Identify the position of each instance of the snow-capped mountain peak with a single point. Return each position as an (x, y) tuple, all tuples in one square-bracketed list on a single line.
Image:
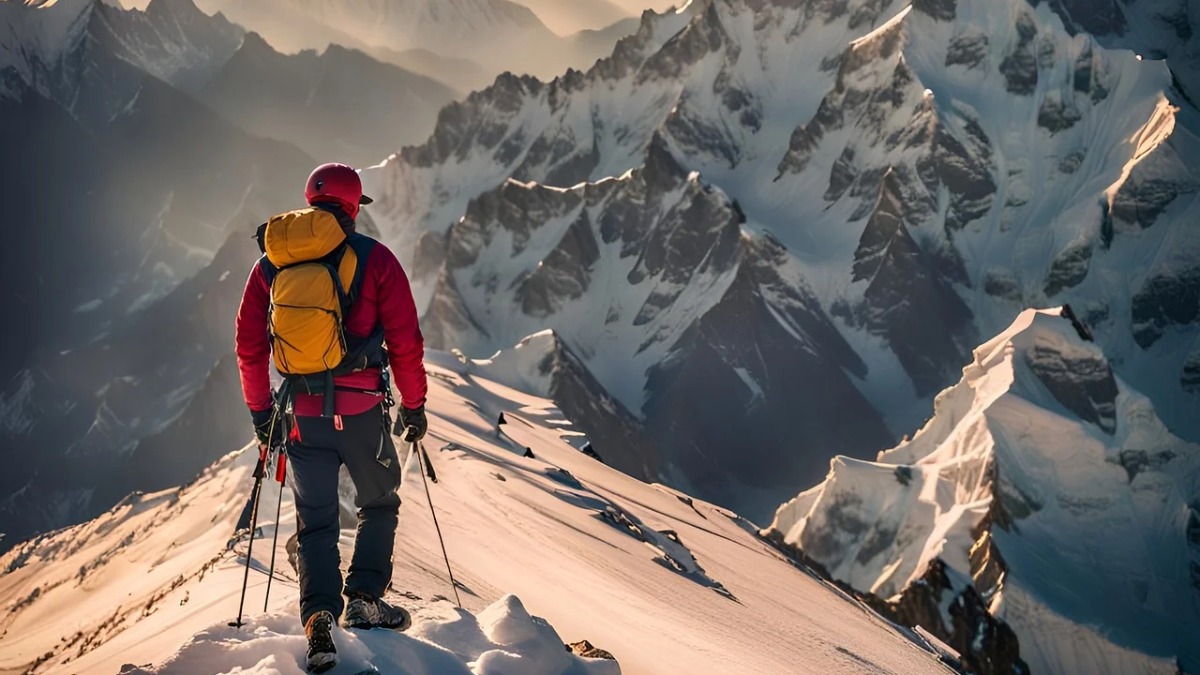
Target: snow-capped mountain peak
[(1039, 460)]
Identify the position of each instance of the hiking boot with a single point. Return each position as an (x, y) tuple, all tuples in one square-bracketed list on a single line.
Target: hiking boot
[(366, 612), (322, 655)]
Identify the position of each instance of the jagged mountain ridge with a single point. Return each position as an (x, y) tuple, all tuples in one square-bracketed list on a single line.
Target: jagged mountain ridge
[(904, 176), (1044, 518), (714, 316)]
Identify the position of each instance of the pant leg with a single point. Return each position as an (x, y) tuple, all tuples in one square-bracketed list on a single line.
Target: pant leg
[(314, 472), (370, 457)]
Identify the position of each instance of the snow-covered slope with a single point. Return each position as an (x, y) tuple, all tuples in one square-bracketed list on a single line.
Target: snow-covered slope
[(1044, 492), (928, 170), (666, 583)]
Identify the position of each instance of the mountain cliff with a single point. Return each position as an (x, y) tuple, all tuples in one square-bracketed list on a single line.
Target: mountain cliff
[(1043, 519)]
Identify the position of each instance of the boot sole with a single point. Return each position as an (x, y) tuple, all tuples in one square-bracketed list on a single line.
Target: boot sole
[(319, 663), (370, 626)]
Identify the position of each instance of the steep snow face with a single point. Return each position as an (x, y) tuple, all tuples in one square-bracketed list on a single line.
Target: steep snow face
[(665, 582), (930, 170), (1048, 490)]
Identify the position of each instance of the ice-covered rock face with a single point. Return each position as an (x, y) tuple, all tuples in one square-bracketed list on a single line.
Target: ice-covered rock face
[(1046, 492), (927, 171)]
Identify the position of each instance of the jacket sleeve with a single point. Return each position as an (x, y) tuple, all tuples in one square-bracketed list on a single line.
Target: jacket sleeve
[(253, 343), (401, 331)]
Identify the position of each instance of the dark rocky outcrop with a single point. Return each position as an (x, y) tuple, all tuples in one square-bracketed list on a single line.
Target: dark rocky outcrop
[(1000, 283), (1136, 461), (1098, 17), (1083, 385), (1189, 378), (1020, 64), (1142, 199), (589, 651), (967, 50), (1165, 300), (942, 10), (1056, 115), (1069, 268)]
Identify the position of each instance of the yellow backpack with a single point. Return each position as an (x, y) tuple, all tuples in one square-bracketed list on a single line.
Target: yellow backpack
[(313, 268)]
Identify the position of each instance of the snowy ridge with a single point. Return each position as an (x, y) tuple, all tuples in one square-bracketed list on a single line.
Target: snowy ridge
[(664, 582), (1040, 460)]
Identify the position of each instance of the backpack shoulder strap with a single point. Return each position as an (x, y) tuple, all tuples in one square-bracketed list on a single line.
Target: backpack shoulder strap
[(269, 270), (362, 246)]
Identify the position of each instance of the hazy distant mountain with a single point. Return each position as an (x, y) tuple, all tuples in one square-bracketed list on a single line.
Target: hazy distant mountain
[(636, 7), (497, 35), (461, 75), (566, 17), (339, 105)]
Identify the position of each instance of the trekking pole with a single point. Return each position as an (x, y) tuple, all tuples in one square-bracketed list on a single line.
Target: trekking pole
[(419, 450), (258, 478), (280, 475)]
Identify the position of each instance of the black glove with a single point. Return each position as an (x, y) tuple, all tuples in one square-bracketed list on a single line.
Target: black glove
[(268, 435), (411, 425)]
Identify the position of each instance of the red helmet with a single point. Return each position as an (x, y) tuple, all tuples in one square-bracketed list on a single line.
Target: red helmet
[(337, 183)]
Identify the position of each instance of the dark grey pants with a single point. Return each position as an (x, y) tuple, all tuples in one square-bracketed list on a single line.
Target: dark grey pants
[(365, 446)]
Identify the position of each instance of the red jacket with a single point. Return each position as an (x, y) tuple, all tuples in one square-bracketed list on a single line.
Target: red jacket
[(385, 299)]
